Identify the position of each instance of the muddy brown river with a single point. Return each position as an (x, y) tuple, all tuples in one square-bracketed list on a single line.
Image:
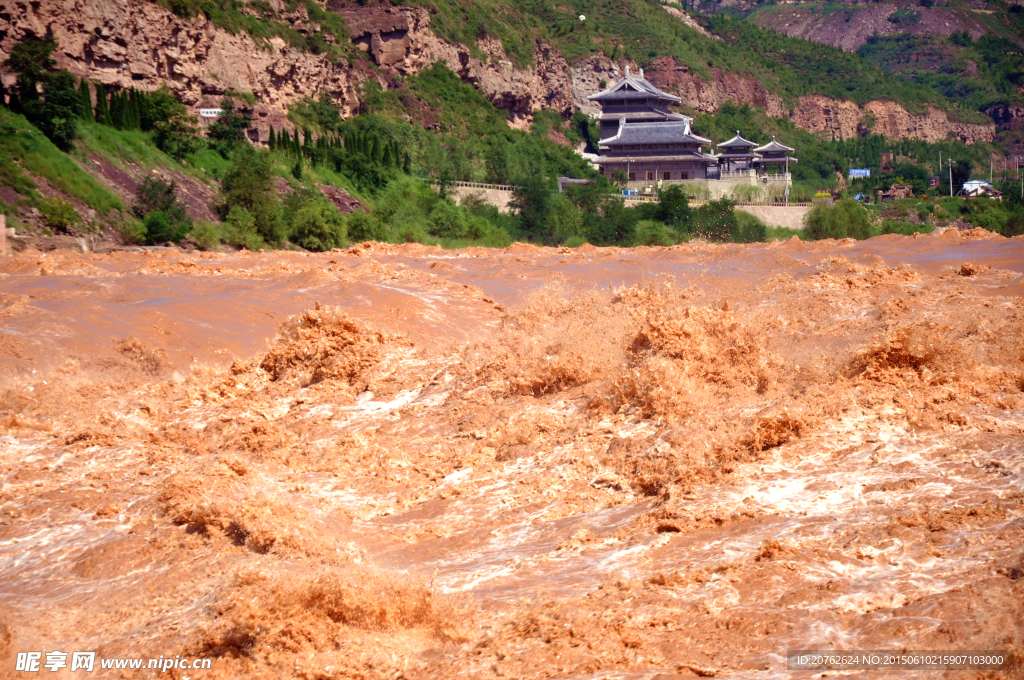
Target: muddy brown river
[(404, 462)]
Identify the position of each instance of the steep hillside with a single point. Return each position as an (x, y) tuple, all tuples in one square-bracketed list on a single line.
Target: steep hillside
[(523, 55), (969, 53)]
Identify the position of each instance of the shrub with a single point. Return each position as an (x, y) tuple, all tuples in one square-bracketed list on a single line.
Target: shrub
[(447, 220), (132, 230), (318, 225), (156, 195), (843, 219), (161, 228), (59, 215), (365, 227), (566, 218), (749, 229), (652, 233), (905, 16), (574, 241), (891, 226), (240, 229), (715, 221), (206, 235)]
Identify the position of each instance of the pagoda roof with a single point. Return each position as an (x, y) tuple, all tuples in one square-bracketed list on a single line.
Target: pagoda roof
[(738, 142), (666, 132), (773, 147), (633, 87), (668, 157), (739, 155), (645, 116)]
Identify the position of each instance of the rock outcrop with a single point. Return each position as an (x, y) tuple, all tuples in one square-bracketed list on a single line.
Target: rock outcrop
[(125, 44), (708, 95), (844, 120)]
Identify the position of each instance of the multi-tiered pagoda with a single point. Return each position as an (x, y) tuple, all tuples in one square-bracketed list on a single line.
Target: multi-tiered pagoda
[(652, 145), (645, 140)]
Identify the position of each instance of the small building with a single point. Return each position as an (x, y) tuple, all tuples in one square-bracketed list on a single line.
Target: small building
[(737, 154), (896, 192), (978, 188), (774, 155)]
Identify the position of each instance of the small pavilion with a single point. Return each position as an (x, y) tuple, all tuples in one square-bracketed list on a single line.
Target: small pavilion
[(774, 154), (737, 154)]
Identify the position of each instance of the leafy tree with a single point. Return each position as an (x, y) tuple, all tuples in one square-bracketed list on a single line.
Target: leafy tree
[(160, 106), (447, 220), (206, 234), (32, 59), (160, 228), (240, 229), (749, 229), (844, 219), (56, 110), (365, 227), (57, 115), (532, 202), (172, 222), (250, 185), (652, 233), (673, 208), (59, 215), (961, 173), (102, 107), (318, 225), (177, 136), (229, 129)]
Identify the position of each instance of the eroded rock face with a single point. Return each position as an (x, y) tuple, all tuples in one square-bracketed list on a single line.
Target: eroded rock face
[(707, 96), (844, 119), (139, 44)]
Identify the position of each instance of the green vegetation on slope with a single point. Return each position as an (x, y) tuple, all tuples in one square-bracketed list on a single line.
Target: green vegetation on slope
[(980, 74), (26, 152)]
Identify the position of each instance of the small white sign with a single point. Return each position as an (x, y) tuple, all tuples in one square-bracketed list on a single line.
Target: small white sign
[(210, 113)]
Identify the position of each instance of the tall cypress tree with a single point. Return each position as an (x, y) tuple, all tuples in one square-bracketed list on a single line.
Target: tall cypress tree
[(85, 101), (102, 109), (377, 153), (271, 141), (296, 146), (116, 111), (284, 141), (133, 108)]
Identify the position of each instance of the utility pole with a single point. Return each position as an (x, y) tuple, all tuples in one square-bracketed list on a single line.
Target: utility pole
[(950, 161)]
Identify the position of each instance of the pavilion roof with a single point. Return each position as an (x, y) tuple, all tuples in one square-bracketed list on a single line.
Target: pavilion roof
[(737, 142), (773, 147), (633, 87), (666, 132)]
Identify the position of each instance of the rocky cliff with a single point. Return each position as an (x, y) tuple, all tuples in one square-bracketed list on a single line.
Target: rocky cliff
[(127, 43), (123, 43), (844, 119)]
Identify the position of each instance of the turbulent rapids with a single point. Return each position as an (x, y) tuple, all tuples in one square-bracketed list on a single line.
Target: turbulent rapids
[(405, 462)]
